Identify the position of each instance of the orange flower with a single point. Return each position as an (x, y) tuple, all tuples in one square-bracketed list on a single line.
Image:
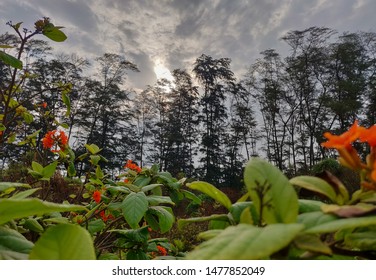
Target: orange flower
[(97, 196), (57, 138), (132, 166), (44, 104), (105, 217), (369, 136), (345, 139), (126, 180), (162, 250)]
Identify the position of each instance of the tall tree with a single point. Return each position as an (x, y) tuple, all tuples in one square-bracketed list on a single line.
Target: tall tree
[(182, 125), (307, 78), (104, 117), (214, 75)]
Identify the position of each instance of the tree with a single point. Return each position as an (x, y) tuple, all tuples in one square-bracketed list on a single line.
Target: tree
[(181, 130), (307, 78), (104, 118), (214, 75)]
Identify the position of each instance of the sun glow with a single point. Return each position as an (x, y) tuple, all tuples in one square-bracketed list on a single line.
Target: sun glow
[(162, 71)]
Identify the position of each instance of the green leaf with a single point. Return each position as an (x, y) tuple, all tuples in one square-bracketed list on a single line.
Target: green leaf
[(315, 184), (142, 181), (10, 60), (14, 209), (191, 196), (211, 191), (24, 194), (332, 226), (64, 242), (66, 101), (55, 34), (209, 234), (13, 245), (95, 226), (237, 209), (28, 118), (246, 242), (37, 167), (306, 205), (33, 225), (11, 138), (92, 148), (312, 243), (365, 241), (7, 185), (150, 187), (71, 169), (49, 170), (134, 207), (217, 224), (99, 173), (219, 217), (140, 235), (271, 192), (157, 199), (312, 219), (165, 217)]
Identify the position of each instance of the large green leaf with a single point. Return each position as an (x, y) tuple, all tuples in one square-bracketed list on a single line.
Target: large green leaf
[(134, 207), (218, 217), (55, 34), (315, 184), (271, 192), (306, 205), (191, 196), (140, 235), (243, 242), (8, 185), (365, 241), (237, 209), (150, 187), (312, 243), (165, 217), (332, 226), (64, 242), (158, 199), (10, 60), (18, 208), (13, 245), (211, 191), (24, 194), (312, 219), (49, 170)]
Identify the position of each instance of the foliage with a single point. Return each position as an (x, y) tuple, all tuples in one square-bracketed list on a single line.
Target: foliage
[(293, 228), (129, 215)]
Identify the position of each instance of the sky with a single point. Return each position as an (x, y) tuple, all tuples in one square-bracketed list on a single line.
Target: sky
[(162, 35)]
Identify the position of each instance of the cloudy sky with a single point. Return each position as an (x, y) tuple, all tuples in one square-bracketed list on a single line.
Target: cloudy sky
[(158, 35)]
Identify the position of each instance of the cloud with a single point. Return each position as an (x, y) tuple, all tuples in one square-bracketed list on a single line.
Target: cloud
[(176, 32)]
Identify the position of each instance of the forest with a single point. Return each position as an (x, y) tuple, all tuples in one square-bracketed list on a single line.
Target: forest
[(277, 164), (206, 123)]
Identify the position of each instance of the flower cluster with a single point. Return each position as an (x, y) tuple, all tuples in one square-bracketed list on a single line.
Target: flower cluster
[(54, 139), (348, 155), (105, 217), (162, 251), (132, 166)]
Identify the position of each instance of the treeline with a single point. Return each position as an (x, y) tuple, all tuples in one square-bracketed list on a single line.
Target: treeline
[(204, 123)]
